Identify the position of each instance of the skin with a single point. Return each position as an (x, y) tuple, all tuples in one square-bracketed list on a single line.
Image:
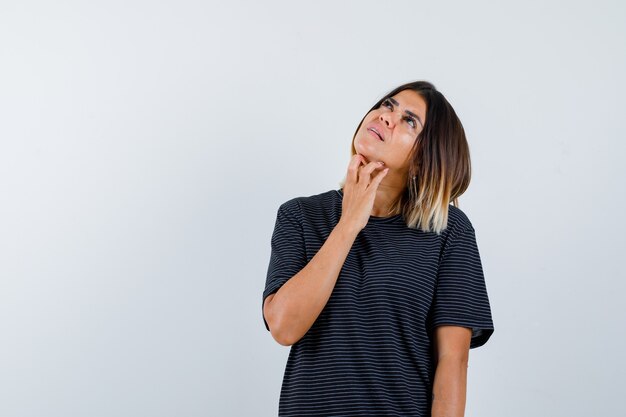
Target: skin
[(291, 311), (451, 351), (400, 135), (451, 343)]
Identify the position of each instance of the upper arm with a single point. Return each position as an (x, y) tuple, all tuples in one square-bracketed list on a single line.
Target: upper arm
[(287, 256), (452, 341), (460, 297)]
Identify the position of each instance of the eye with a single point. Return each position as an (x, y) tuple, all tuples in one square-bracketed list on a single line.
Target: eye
[(410, 119)]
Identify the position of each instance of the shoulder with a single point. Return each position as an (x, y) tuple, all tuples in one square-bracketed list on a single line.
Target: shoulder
[(458, 219), (460, 233), (458, 223)]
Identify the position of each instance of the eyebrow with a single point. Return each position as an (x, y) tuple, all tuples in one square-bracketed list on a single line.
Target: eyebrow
[(410, 113)]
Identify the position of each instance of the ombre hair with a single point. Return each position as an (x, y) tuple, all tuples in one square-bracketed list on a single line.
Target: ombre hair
[(439, 162)]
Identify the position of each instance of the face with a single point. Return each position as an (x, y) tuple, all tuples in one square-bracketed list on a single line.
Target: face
[(399, 120)]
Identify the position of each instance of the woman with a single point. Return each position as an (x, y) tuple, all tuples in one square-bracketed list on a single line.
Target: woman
[(378, 286)]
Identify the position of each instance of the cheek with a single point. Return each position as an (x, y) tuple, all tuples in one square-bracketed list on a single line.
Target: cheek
[(373, 115), (401, 153), (408, 141)]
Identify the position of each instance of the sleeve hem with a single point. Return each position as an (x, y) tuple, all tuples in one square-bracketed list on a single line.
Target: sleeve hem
[(268, 291), (481, 333)]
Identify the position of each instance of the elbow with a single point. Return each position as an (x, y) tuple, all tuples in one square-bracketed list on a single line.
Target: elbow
[(275, 322), (282, 340), (280, 335), (283, 330)]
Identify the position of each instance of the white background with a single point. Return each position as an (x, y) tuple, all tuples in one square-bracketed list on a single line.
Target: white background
[(146, 146)]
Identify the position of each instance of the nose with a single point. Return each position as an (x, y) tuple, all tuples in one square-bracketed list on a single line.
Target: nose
[(387, 119)]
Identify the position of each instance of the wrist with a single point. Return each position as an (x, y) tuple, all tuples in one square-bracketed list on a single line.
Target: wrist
[(348, 229)]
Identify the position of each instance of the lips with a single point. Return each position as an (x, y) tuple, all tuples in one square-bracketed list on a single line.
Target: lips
[(377, 132)]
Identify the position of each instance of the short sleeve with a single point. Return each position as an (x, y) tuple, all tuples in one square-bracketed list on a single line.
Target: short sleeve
[(461, 294), (288, 254)]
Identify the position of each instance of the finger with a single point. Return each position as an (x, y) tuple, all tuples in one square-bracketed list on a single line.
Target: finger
[(353, 167), (365, 172), (359, 170), (372, 166), (378, 178)]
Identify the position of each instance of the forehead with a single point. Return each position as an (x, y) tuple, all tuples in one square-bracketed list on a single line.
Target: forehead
[(411, 101)]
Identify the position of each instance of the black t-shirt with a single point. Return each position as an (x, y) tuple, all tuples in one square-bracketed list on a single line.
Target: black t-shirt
[(369, 351)]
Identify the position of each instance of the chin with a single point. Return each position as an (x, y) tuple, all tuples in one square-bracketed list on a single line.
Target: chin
[(365, 151)]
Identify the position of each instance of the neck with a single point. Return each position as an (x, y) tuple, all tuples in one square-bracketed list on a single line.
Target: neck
[(385, 196)]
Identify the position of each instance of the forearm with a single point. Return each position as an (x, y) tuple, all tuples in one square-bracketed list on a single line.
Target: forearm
[(298, 303), (449, 388)]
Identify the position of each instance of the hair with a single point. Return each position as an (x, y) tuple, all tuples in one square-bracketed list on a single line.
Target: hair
[(439, 168)]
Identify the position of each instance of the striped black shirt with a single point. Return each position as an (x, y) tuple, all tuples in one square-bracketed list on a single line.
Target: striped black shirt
[(369, 351)]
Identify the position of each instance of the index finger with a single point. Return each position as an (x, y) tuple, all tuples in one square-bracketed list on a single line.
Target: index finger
[(353, 167)]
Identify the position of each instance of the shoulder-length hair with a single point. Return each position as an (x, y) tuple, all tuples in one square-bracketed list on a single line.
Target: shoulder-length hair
[(439, 167)]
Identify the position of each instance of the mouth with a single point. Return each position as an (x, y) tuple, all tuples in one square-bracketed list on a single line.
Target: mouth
[(376, 133)]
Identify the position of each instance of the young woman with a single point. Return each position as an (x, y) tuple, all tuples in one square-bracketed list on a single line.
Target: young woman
[(378, 286)]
